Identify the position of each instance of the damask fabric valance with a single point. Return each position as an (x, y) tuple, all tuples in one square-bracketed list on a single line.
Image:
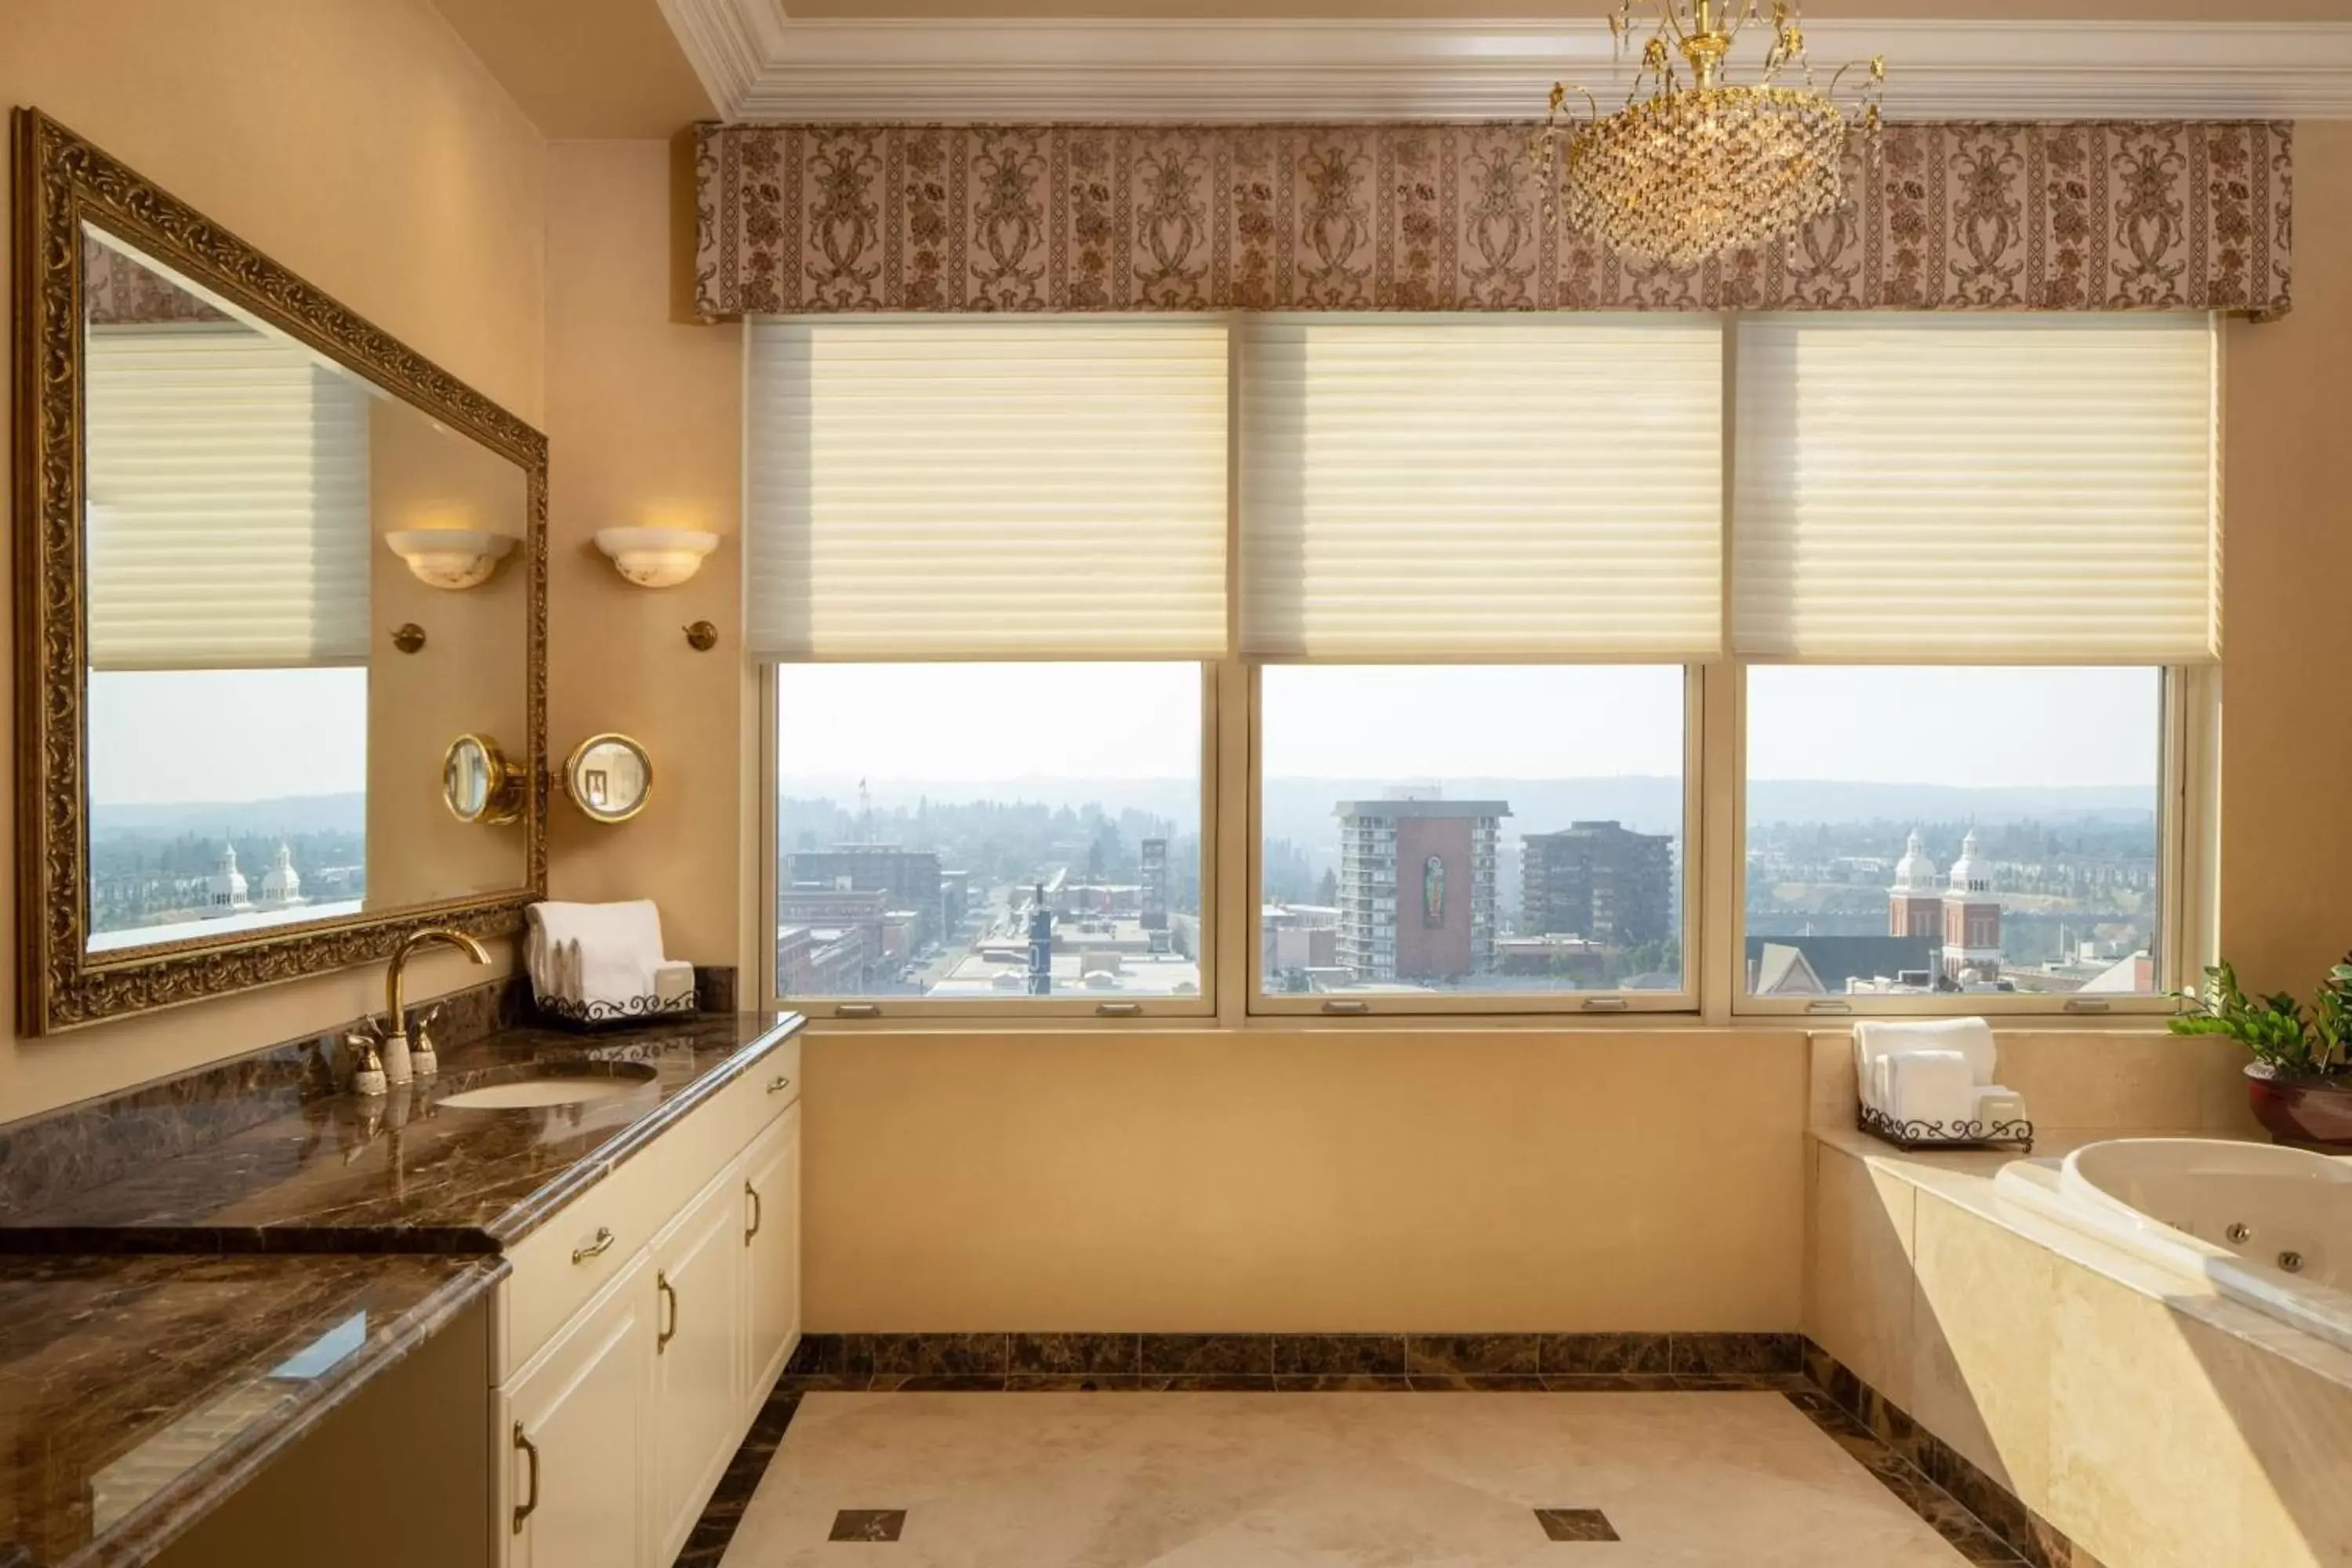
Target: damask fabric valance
[(2182, 215)]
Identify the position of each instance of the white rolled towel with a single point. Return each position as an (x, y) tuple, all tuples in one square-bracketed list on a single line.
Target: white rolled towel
[(1930, 1085), (1972, 1037)]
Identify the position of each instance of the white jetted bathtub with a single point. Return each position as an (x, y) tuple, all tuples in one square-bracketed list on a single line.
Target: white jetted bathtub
[(2269, 1227)]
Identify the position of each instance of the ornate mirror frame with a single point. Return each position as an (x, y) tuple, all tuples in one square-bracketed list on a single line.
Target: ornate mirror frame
[(61, 181)]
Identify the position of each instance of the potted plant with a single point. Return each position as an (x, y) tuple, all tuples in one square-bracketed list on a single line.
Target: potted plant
[(2300, 1081)]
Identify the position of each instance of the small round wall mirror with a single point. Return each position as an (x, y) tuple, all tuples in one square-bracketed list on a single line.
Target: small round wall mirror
[(479, 783), (609, 777)]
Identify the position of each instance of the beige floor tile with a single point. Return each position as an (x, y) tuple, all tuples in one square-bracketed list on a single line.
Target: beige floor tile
[(1330, 1480)]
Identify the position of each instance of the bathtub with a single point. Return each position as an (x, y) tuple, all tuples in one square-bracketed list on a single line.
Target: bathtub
[(2268, 1226)]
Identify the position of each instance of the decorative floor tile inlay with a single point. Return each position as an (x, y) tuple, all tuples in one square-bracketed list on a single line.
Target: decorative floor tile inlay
[(868, 1525), (1576, 1524)]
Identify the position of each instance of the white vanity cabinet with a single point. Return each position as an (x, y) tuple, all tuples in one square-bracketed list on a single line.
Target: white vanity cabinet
[(771, 1240), (642, 1328), (572, 1440)]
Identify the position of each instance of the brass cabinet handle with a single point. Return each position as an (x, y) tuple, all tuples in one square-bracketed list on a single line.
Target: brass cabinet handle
[(530, 1506), (596, 1248), (662, 1339), (778, 1084), (752, 1193)]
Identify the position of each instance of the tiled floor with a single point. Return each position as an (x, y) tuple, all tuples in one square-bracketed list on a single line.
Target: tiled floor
[(1332, 1480)]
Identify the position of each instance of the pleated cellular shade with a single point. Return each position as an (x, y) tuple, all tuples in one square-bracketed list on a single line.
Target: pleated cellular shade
[(2031, 489), (227, 483), (988, 488), (1511, 487)]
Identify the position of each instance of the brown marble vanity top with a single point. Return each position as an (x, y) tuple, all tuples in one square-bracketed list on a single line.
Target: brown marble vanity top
[(138, 1392), (403, 1172)]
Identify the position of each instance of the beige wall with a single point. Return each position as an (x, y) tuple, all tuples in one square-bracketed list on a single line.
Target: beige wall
[(645, 421), (1305, 1180), (2286, 749), (358, 142), (471, 677)]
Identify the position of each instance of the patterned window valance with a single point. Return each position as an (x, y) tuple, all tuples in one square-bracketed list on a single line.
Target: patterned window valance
[(1946, 216)]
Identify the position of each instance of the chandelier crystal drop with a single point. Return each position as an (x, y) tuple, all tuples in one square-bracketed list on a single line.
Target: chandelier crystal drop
[(1695, 165)]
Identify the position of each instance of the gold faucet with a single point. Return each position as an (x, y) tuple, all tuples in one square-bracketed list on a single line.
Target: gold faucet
[(393, 1002)]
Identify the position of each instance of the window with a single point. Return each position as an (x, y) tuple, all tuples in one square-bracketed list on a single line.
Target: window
[(1951, 832), (1433, 834), (975, 834), (1471, 625)]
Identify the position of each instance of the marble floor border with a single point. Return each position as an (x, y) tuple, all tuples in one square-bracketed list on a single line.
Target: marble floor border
[(1894, 1450), (2034, 1540)]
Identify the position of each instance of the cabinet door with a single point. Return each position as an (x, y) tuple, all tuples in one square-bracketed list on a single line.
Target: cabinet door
[(572, 1439), (771, 1253), (698, 1356)]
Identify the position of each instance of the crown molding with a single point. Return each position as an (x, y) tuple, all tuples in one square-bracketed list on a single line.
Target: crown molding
[(757, 65)]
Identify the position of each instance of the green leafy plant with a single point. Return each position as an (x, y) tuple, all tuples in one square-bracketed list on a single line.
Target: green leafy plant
[(2276, 1029)]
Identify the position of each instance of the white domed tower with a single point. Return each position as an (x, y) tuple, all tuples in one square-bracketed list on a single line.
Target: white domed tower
[(281, 885), (224, 889), (1914, 906), (1971, 917)]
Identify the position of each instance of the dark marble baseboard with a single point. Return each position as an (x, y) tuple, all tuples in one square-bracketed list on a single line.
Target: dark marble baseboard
[(1009, 1359), (2030, 1537)]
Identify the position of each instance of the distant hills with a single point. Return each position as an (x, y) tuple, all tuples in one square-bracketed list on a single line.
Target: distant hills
[(285, 814), (1300, 809)]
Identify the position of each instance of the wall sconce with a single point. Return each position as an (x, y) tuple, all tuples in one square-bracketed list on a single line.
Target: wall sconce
[(655, 557), (450, 558)]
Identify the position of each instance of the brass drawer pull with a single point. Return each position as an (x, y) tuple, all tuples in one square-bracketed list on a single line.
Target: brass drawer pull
[(530, 1505), (752, 1193), (778, 1084), (662, 1339), (596, 1248)]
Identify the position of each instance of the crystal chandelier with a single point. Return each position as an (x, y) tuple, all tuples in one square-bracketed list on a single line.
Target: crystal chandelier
[(1695, 165)]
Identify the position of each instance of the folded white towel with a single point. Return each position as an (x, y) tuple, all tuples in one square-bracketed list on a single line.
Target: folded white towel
[(594, 953), (1970, 1037), (1930, 1085)]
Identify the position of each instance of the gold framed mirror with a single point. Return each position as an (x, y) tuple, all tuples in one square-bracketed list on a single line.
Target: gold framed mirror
[(480, 784), (225, 776), (609, 777)]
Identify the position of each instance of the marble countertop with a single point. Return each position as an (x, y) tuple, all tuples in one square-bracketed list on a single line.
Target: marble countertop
[(137, 1392), (404, 1172)]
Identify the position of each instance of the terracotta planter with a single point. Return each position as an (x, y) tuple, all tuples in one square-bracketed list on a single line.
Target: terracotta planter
[(2308, 1112)]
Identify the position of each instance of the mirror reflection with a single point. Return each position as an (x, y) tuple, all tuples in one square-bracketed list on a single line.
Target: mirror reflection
[(259, 755), (609, 777)]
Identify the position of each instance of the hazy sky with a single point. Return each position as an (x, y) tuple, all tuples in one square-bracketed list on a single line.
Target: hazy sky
[(166, 737), (231, 736), (1955, 726)]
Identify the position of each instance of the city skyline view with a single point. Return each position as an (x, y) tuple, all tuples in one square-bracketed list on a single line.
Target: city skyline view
[(2057, 767)]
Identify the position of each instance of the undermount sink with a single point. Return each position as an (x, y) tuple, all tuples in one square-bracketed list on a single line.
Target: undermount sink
[(553, 1083)]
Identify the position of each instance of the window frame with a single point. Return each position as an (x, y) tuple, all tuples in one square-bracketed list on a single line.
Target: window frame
[(2188, 715), (1713, 925), (1683, 1002), (1061, 1009)]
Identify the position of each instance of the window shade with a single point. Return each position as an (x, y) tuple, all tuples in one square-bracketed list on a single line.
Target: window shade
[(2033, 490), (1530, 485), (227, 480), (949, 489)]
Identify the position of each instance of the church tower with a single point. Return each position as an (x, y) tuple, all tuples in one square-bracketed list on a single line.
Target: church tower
[(224, 889), (1971, 919), (1914, 906)]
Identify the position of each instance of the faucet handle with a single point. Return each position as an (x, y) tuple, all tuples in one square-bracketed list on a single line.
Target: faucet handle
[(418, 1037)]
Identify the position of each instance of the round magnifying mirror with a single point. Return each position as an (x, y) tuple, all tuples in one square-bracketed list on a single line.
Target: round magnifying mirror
[(478, 783), (609, 777)]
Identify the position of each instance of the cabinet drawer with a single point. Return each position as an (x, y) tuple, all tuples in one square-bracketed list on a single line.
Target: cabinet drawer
[(763, 1090), (592, 1239)]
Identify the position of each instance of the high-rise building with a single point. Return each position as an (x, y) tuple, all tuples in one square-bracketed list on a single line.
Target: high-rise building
[(1599, 881), (1417, 886), (1153, 859)]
